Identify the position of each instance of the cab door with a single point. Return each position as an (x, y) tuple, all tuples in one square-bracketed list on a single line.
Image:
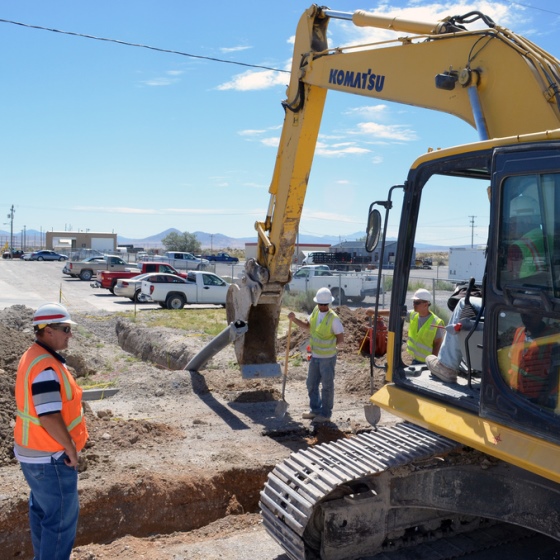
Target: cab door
[(522, 293)]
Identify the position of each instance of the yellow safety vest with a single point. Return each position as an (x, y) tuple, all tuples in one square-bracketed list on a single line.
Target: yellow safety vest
[(421, 342), (531, 246), (323, 340)]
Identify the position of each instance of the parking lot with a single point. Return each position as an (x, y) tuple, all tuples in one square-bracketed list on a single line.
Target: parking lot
[(33, 283)]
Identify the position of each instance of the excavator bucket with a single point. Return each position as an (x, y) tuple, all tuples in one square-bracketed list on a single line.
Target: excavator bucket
[(260, 310)]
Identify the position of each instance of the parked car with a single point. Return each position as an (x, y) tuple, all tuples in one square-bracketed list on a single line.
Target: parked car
[(200, 287), (13, 254), (66, 269), (221, 257), (184, 261), (132, 287), (46, 255), (159, 278)]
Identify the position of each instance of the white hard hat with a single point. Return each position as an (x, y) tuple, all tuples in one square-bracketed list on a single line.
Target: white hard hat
[(522, 206), (323, 296), (51, 313), (422, 294)]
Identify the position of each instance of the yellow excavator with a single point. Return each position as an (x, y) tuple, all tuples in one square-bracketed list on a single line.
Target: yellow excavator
[(484, 448)]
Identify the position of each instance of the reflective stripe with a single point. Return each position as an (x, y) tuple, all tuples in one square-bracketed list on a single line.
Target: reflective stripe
[(24, 415)]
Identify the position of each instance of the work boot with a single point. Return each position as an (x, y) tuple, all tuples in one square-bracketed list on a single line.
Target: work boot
[(308, 415), (319, 419), (441, 371)]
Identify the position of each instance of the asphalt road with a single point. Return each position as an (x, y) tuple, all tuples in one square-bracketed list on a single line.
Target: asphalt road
[(34, 283)]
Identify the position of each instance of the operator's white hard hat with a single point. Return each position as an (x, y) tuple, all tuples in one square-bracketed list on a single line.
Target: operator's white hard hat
[(422, 294), (51, 313), (323, 296), (522, 206)]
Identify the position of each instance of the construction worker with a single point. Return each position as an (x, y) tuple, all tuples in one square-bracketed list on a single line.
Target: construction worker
[(49, 433), (525, 253), (424, 333), (326, 332)]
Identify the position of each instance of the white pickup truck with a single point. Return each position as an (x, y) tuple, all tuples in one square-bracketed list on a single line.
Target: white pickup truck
[(183, 261), (198, 287), (349, 286)]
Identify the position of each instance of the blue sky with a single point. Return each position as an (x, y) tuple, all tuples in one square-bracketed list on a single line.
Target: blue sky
[(107, 137)]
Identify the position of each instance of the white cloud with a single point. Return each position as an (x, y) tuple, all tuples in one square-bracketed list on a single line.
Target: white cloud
[(159, 82), (272, 142), (249, 132), (368, 110), (169, 78), (255, 80), (326, 216), (395, 132), (234, 49), (339, 150), (116, 210)]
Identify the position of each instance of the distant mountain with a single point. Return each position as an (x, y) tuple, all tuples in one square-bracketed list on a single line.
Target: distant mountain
[(151, 239), (220, 241)]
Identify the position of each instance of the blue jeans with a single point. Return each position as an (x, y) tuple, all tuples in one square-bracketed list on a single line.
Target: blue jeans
[(451, 352), (321, 372), (53, 508)]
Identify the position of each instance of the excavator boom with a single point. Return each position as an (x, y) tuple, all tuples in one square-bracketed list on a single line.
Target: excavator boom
[(441, 66)]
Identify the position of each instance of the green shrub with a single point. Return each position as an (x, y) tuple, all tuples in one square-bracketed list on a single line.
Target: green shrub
[(300, 301)]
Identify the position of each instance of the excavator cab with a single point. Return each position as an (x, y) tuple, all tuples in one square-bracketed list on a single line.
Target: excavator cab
[(496, 381)]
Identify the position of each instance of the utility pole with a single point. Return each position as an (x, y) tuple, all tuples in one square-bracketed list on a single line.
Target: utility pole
[(472, 230), (211, 243), (11, 218)]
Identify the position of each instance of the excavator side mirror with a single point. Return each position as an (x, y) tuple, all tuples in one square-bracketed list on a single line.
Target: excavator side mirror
[(373, 230)]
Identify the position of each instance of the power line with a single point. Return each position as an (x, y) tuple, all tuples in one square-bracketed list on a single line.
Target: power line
[(139, 45), (533, 7)]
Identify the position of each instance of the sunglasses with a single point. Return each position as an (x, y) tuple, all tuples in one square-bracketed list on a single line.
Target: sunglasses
[(418, 301), (66, 329)]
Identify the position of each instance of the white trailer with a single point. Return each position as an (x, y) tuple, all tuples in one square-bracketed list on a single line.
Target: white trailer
[(466, 263)]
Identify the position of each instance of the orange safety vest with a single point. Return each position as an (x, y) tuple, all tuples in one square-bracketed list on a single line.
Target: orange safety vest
[(28, 431)]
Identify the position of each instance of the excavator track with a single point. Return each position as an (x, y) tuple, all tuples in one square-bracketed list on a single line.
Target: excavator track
[(401, 487), (309, 477)]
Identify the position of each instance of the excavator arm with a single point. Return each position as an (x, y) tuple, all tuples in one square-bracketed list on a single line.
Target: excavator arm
[(493, 79)]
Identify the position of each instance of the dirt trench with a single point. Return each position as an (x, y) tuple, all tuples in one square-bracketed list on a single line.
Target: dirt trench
[(165, 454), (149, 505)]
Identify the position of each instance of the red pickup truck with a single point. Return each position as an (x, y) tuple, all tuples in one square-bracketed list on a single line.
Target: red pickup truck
[(107, 279)]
